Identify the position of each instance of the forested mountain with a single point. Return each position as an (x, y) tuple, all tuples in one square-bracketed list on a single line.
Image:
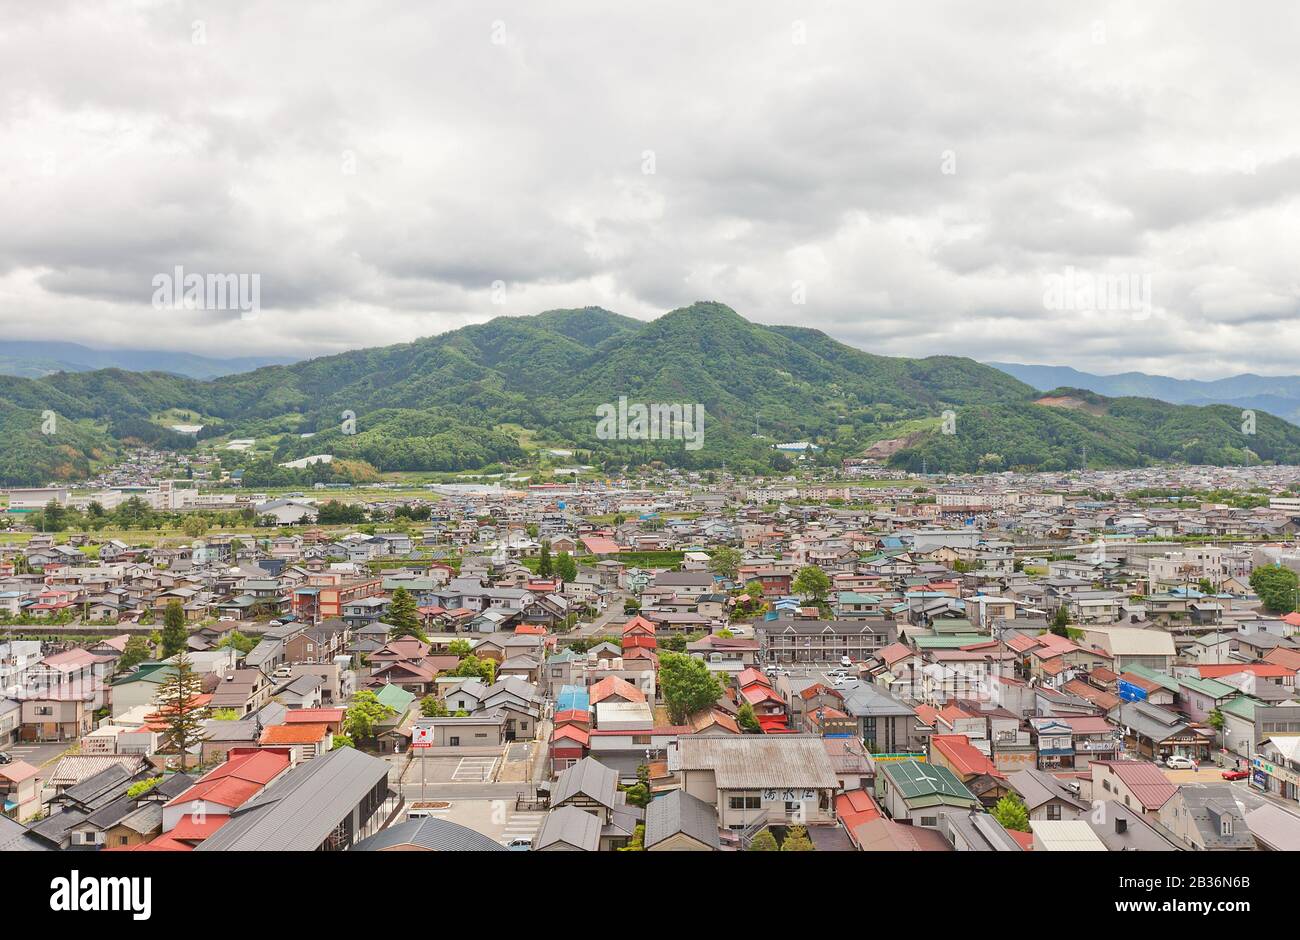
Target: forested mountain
[(1276, 394), (33, 359), (493, 392)]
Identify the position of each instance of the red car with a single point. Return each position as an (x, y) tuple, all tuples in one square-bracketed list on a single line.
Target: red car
[(1235, 774)]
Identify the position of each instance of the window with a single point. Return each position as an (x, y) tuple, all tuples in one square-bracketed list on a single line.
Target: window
[(930, 821), (744, 802), (1225, 825), (1053, 811)]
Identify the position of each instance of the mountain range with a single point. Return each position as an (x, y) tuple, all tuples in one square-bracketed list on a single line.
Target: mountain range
[(500, 393), (33, 359), (1276, 394)]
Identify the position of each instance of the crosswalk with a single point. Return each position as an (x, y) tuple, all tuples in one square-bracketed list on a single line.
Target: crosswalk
[(23, 752), (522, 825), (474, 769)]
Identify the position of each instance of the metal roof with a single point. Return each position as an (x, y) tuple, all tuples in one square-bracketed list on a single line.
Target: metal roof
[(431, 834), (298, 811), (677, 811), (759, 761), (915, 780)]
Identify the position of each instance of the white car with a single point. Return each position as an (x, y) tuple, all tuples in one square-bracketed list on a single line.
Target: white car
[(845, 662), (1178, 762)]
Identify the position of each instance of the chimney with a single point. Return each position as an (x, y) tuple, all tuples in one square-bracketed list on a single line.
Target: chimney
[(1121, 826)]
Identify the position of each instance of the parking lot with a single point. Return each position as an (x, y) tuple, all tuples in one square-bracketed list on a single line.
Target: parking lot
[(496, 819), (450, 768)]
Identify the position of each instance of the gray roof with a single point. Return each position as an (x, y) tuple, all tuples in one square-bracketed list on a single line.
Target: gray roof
[(1138, 834), (144, 819), (757, 761), (571, 826), (1037, 787), (589, 777), (1208, 805), (298, 811), (14, 837), (431, 834), (678, 811), (869, 700), (103, 788), (980, 831), (55, 827)]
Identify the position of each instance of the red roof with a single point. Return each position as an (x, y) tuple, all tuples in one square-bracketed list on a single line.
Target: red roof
[(962, 756), (187, 833), (572, 733), (773, 724), (301, 733), (638, 624), (572, 716), (600, 546), (1261, 670), (313, 715), (613, 686), (530, 629), (18, 771), (751, 676), (237, 780), (1146, 781), (855, 807)]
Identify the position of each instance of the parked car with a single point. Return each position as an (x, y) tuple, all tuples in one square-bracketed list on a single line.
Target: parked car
[(1178, 762), (845, 662), (1235, 774), (6, 757), (522, 844)]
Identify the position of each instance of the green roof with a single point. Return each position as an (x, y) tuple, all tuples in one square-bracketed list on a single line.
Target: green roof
[(853, 597), (950, 642), (1162, 679), (1243, 706), (927, 784), (157, 673), (395, 697), (1211, 687)]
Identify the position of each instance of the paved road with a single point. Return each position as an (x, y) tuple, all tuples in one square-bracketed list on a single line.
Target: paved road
[(614, 612)]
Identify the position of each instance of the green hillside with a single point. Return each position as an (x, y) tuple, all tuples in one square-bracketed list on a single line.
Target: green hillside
[(495, 393)]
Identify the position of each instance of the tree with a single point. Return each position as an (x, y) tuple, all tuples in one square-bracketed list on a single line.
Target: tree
[(566, 569), (472, 667), (174, 633), (544, 560), (341, 740), (134, 653), (1011, 813), (241, 644), (433, 707), (224, 714), (404, 616), (178, 707), (1276, 587), (747, 720), (1061, 622), (364, 715), (638, 794), (763, 842), (687, 685), (725, 561), (637, 842), (1215, 720), (812, 582), (459, 647), (194, 526), (796, 840), (137, 790)]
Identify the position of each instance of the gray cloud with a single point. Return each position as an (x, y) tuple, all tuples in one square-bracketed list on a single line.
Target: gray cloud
[(381, 165)]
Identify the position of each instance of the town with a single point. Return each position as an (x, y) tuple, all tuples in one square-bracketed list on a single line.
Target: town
[(840, 659)]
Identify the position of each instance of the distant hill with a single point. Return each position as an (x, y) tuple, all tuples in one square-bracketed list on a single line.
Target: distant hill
[(499, 394), (31, 359), (1276, 394)]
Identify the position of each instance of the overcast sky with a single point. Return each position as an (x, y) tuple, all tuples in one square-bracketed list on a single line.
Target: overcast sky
[(919, 175)]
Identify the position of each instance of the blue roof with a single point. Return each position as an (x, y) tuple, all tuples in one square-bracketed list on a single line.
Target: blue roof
[(572, 697)]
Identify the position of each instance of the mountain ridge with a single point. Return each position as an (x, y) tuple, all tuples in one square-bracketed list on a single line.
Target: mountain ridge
[(497, 393)]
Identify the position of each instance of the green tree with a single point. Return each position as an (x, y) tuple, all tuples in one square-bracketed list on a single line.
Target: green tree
[(363, 716), (475, 668), (1061, 621), (433, 707), (1276, 587), (459, 647), (544, 566), (637, 842), (812, 582), (341, 740), (404, 616), (1011, 813), (224, 714), (686, 684), (134, 653), (764, 842), (796, 840), (179, 709), (240, 643), (747, 720), (566, 569), (638, 794), (725, 562), (174, 633)]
